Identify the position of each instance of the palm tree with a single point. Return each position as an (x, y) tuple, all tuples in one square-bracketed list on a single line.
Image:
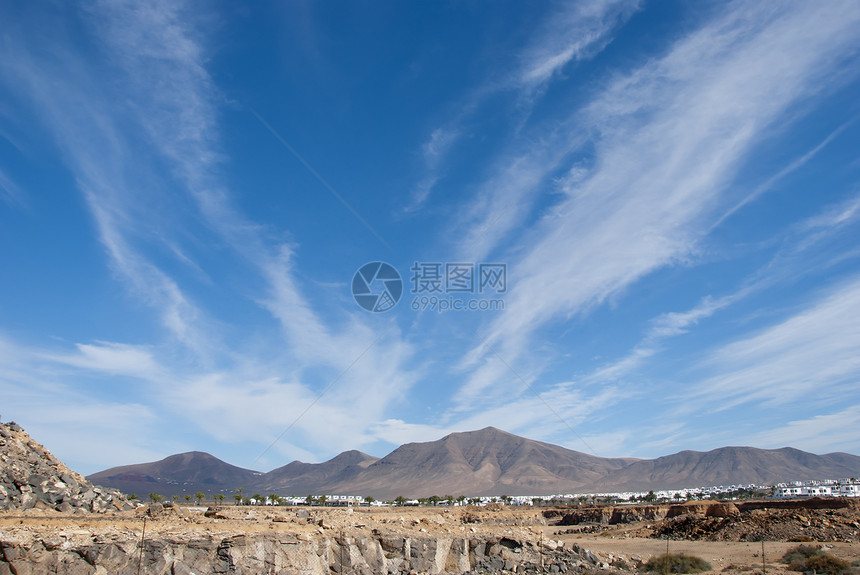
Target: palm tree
[(199, 496), (238, 495), (400, 500), (132, 497), (175, 498), (368, 499), (187, 498), (219, 497), (275, 499), (322, 499), (155, 497)]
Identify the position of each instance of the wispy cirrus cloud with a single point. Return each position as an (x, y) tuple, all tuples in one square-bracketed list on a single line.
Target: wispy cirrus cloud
[(811, 355), (113, 358), (141, 138), (671, 140), (571, 33), (528, 415), (64, 88), (574, 32), (39, 391), (9, 191), (804, 250), (819, 433), (433, 152)]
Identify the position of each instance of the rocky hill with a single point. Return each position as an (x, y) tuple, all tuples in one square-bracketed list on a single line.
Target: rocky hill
[(31, 477)]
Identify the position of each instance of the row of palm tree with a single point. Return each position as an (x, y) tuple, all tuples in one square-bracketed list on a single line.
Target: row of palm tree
[(276, 499)]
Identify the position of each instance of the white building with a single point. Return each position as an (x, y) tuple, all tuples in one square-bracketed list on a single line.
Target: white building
[(829, 488)]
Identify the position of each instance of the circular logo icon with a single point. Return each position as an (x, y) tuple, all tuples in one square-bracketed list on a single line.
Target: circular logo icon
[(377, 287)]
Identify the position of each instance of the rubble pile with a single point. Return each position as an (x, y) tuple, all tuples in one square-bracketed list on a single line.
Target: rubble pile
[(814, 519), (792, 524), (32, 478), (607, 515)]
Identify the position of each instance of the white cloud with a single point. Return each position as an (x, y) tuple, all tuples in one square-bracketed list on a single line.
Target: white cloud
[(768, 184), (9, 191), (151, 103), (106, 433), (397, 431), (433, 153), (116, 358), (558, 416), (818, 434), (672, 138), (811, 356), (575, 32), (836, 217), (796, 258), (85, 432)]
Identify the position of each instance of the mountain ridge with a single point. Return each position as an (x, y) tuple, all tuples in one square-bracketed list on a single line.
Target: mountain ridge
[(488, 461)]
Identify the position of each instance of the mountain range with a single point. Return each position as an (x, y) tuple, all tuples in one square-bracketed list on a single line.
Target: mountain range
[(484, 462)]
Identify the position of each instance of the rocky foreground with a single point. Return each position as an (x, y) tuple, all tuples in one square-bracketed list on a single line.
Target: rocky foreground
[(284, 540), (815, 519)]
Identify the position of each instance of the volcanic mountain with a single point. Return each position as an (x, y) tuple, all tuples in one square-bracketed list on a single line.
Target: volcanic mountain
[(731, 466), (175, 475), (484, 462), (299, 478)]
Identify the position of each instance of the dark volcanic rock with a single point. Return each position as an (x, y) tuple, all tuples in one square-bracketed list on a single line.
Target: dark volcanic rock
[(32, 478)]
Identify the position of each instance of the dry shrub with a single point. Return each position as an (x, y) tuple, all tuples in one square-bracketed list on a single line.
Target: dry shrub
[(825, 563), (676, 563), (811, 559)]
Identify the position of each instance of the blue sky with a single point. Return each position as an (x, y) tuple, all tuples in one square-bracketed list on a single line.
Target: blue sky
[(188, 188)]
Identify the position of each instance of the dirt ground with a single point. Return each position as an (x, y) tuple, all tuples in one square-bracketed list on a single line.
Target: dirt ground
[(724, 556)]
